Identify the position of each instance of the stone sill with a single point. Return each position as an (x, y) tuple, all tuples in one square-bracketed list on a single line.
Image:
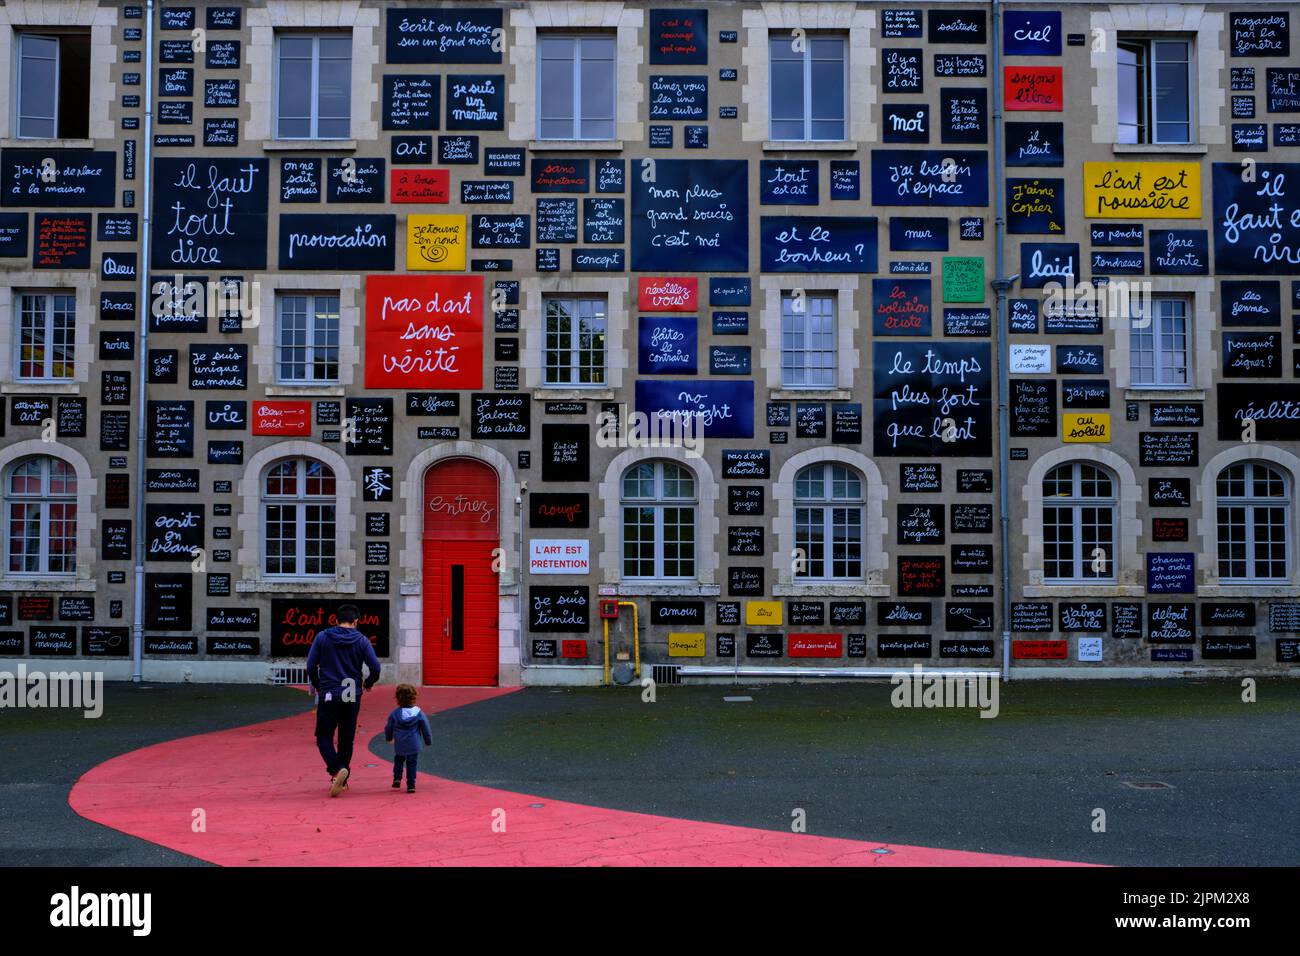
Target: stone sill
[(592, 145), (1248, 590), (48, 584), (303, 586), (1096, 591), (810, 394), (685, 589), (1164, 394), (832, 590), (1177, 149), (548, 394), (809, 146), (309, 145), (306, 391), (17, 143), (40, 388)]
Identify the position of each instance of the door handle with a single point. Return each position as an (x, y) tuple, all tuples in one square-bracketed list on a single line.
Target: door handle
[(446, 627)]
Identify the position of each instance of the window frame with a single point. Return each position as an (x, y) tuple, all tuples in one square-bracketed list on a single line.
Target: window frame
[(1251, 503), (44, 500), (1148, 109), (302, 500), (309, 361), (808, 98), (574, 352), (806, 336), (1159, 337), (658, 504), (315, 117), (579, 120), (1076, 503), (827, 505), (47, 329)]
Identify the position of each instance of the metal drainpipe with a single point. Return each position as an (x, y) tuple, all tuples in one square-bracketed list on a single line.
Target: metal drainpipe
[(1001, 284), (142, 373)]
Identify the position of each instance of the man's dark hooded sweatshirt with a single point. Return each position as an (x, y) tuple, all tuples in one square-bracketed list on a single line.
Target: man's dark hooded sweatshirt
[(339, 652)]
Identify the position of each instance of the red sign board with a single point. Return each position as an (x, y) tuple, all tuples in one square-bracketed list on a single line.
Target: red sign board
[(1169, 529), (573, 649), (424, 331), (1039, 650), (815, 645), (282, 418), (667, 294), (1034, 88), (420, 185)]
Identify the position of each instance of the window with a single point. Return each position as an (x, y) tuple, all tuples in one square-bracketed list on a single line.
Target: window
[(41, 517), (575, 342), (828, 508), (576, 86), (807, 341), (47, 334), (1079, 524), (299, 508), (658, 521), (52, 93), (1155, 90), (808, 85), (307, 339), (313, 78), (1158, 343), (1254, 514)]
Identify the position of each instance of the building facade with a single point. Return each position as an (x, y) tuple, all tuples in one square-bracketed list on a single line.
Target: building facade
[(770, 319)]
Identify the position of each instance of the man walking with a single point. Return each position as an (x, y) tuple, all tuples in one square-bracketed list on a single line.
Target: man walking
[(334, 669)]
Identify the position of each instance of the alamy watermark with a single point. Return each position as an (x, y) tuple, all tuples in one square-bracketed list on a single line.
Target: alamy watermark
[(934, 689), (76, 690)]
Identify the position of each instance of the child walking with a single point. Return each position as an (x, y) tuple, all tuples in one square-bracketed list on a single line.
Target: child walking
[(406, 725)]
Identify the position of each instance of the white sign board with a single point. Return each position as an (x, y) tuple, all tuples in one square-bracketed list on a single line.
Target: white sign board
[(559, 556), (1090, 648), (1031, 359)]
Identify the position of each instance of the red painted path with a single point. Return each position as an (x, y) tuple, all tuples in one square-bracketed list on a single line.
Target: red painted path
[(264, 794)]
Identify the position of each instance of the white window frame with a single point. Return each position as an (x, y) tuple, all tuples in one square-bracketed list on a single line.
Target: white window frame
[(577, 131), (47, 364), (314, 315), (799, 340), (302, 500), (1149, 132), (572, 367), (20, 61), (315, 118), (825, 507), (44, 499), (1250, 503), (1076, 502), (808, 97), (1155, 327), (658, 503)]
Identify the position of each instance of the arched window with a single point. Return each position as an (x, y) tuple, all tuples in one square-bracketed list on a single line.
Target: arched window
[(41, 517), (299, 509), (1254, 515), (1079, 524), (828, 509), (659, 501)]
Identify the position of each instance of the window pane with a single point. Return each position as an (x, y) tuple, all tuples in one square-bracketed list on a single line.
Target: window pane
[(38, 87)]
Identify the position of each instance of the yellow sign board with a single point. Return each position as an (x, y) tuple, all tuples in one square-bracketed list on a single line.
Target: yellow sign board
[(436, 243), (763, 613), (1141, 190), (1085, 427), (686, 645)]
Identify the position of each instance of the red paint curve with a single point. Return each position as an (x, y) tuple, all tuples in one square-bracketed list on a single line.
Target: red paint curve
[(263, 793)]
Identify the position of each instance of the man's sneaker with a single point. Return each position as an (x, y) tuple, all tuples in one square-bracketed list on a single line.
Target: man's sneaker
[(396, 784), (339, 782)]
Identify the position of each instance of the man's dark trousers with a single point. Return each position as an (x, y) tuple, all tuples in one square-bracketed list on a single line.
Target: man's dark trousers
[(341, 715)]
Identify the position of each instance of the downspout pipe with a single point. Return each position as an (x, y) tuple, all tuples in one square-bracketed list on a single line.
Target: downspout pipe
[(1001, 285), (143, 311)]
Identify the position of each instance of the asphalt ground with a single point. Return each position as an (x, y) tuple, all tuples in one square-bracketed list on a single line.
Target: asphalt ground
[(1029, 782), (43, 752)]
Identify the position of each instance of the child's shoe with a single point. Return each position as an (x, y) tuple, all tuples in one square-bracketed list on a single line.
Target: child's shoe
[(411, 789), (397, 783)]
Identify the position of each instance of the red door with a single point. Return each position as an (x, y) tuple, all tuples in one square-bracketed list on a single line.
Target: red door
[(460, 587)]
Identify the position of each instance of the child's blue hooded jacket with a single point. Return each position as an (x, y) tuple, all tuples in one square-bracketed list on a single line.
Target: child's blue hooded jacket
[(405, 727)]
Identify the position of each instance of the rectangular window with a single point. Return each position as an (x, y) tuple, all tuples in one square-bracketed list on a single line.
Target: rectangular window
[(307, 339), (1159, 346), (807, 341), (47, 334), (52, 92), (1155, 90), (576, 86), (808, 82), (575, 342), (313, 77)]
